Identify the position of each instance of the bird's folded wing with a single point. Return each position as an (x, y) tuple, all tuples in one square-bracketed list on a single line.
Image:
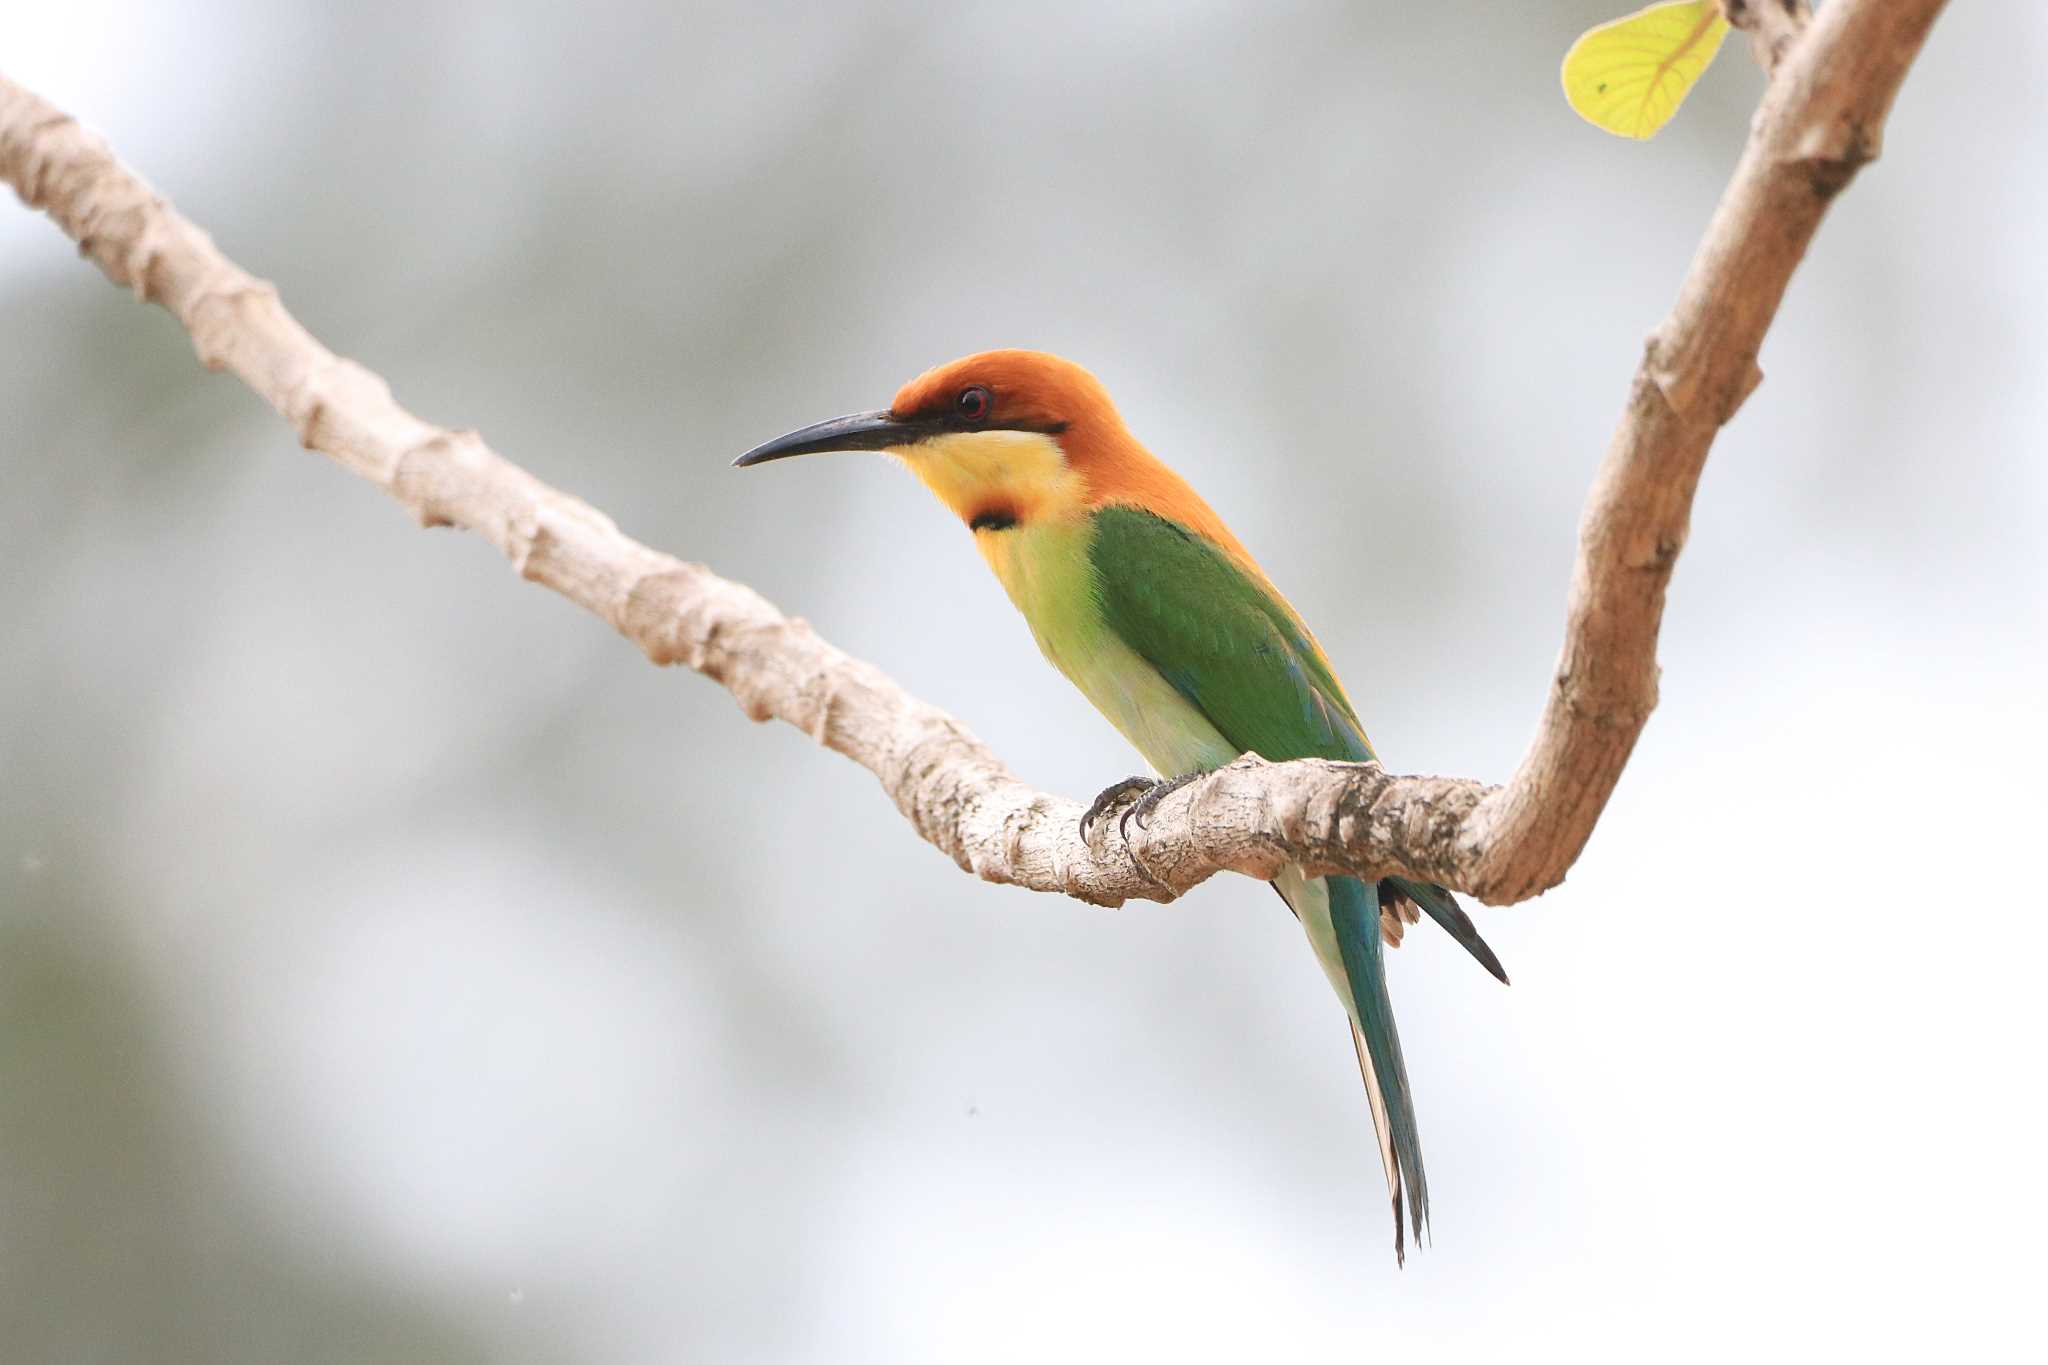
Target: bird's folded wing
[(1224, 639)]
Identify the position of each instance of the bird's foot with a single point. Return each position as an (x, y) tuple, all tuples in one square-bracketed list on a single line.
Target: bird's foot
[(1154, 791), (1107, 801), (1142, 808)]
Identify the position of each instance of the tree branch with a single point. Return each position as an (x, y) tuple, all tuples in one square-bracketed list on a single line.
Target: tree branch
[(1773, 26), (1819, 122)]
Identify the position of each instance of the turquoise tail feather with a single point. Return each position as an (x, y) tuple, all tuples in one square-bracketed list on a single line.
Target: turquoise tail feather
[(1355, 916)]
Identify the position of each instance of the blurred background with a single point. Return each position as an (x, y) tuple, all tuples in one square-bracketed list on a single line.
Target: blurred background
[(394, 967)]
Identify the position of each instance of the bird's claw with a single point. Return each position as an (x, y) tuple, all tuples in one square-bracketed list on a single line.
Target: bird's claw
[(1154, 791), (1103, 804), (1142, 808)]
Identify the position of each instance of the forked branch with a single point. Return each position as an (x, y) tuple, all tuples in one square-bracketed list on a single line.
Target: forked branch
[(1819, 122)]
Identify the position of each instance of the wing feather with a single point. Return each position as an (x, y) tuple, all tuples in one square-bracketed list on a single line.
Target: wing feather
[(1224, 640)]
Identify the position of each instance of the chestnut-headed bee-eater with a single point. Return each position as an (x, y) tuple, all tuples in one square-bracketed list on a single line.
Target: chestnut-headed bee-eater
[(1140, 594)]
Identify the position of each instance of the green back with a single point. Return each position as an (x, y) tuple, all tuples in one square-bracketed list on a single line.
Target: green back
[(1224, 641)]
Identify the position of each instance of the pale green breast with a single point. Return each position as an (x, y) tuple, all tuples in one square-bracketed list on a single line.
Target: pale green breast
[(1044, 567)]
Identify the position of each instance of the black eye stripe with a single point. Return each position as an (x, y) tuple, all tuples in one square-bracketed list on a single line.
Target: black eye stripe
[(973, 409)]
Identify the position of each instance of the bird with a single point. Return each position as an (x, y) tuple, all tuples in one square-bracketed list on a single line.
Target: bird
[(1135, 589)]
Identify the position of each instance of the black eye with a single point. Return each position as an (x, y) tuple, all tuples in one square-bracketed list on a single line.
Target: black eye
[(974, 403)]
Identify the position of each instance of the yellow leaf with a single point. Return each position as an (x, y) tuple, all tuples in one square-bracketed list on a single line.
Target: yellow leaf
[(1630, 76)]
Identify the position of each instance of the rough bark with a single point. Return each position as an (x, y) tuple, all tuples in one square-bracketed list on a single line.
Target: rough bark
[(1819, 123)]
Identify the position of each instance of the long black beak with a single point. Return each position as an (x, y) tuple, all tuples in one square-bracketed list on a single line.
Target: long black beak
[(861, 431)]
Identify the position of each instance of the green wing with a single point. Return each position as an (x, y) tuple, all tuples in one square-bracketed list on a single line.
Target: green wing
[(1242, 657), (1221, 639)]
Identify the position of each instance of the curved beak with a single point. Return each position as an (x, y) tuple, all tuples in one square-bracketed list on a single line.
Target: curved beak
[(861, 431)]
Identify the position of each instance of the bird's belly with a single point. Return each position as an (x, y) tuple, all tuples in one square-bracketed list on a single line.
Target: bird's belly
[(1160, 723), (1044, 569)]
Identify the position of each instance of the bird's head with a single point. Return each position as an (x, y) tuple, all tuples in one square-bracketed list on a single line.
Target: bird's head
[(1002, 437)]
